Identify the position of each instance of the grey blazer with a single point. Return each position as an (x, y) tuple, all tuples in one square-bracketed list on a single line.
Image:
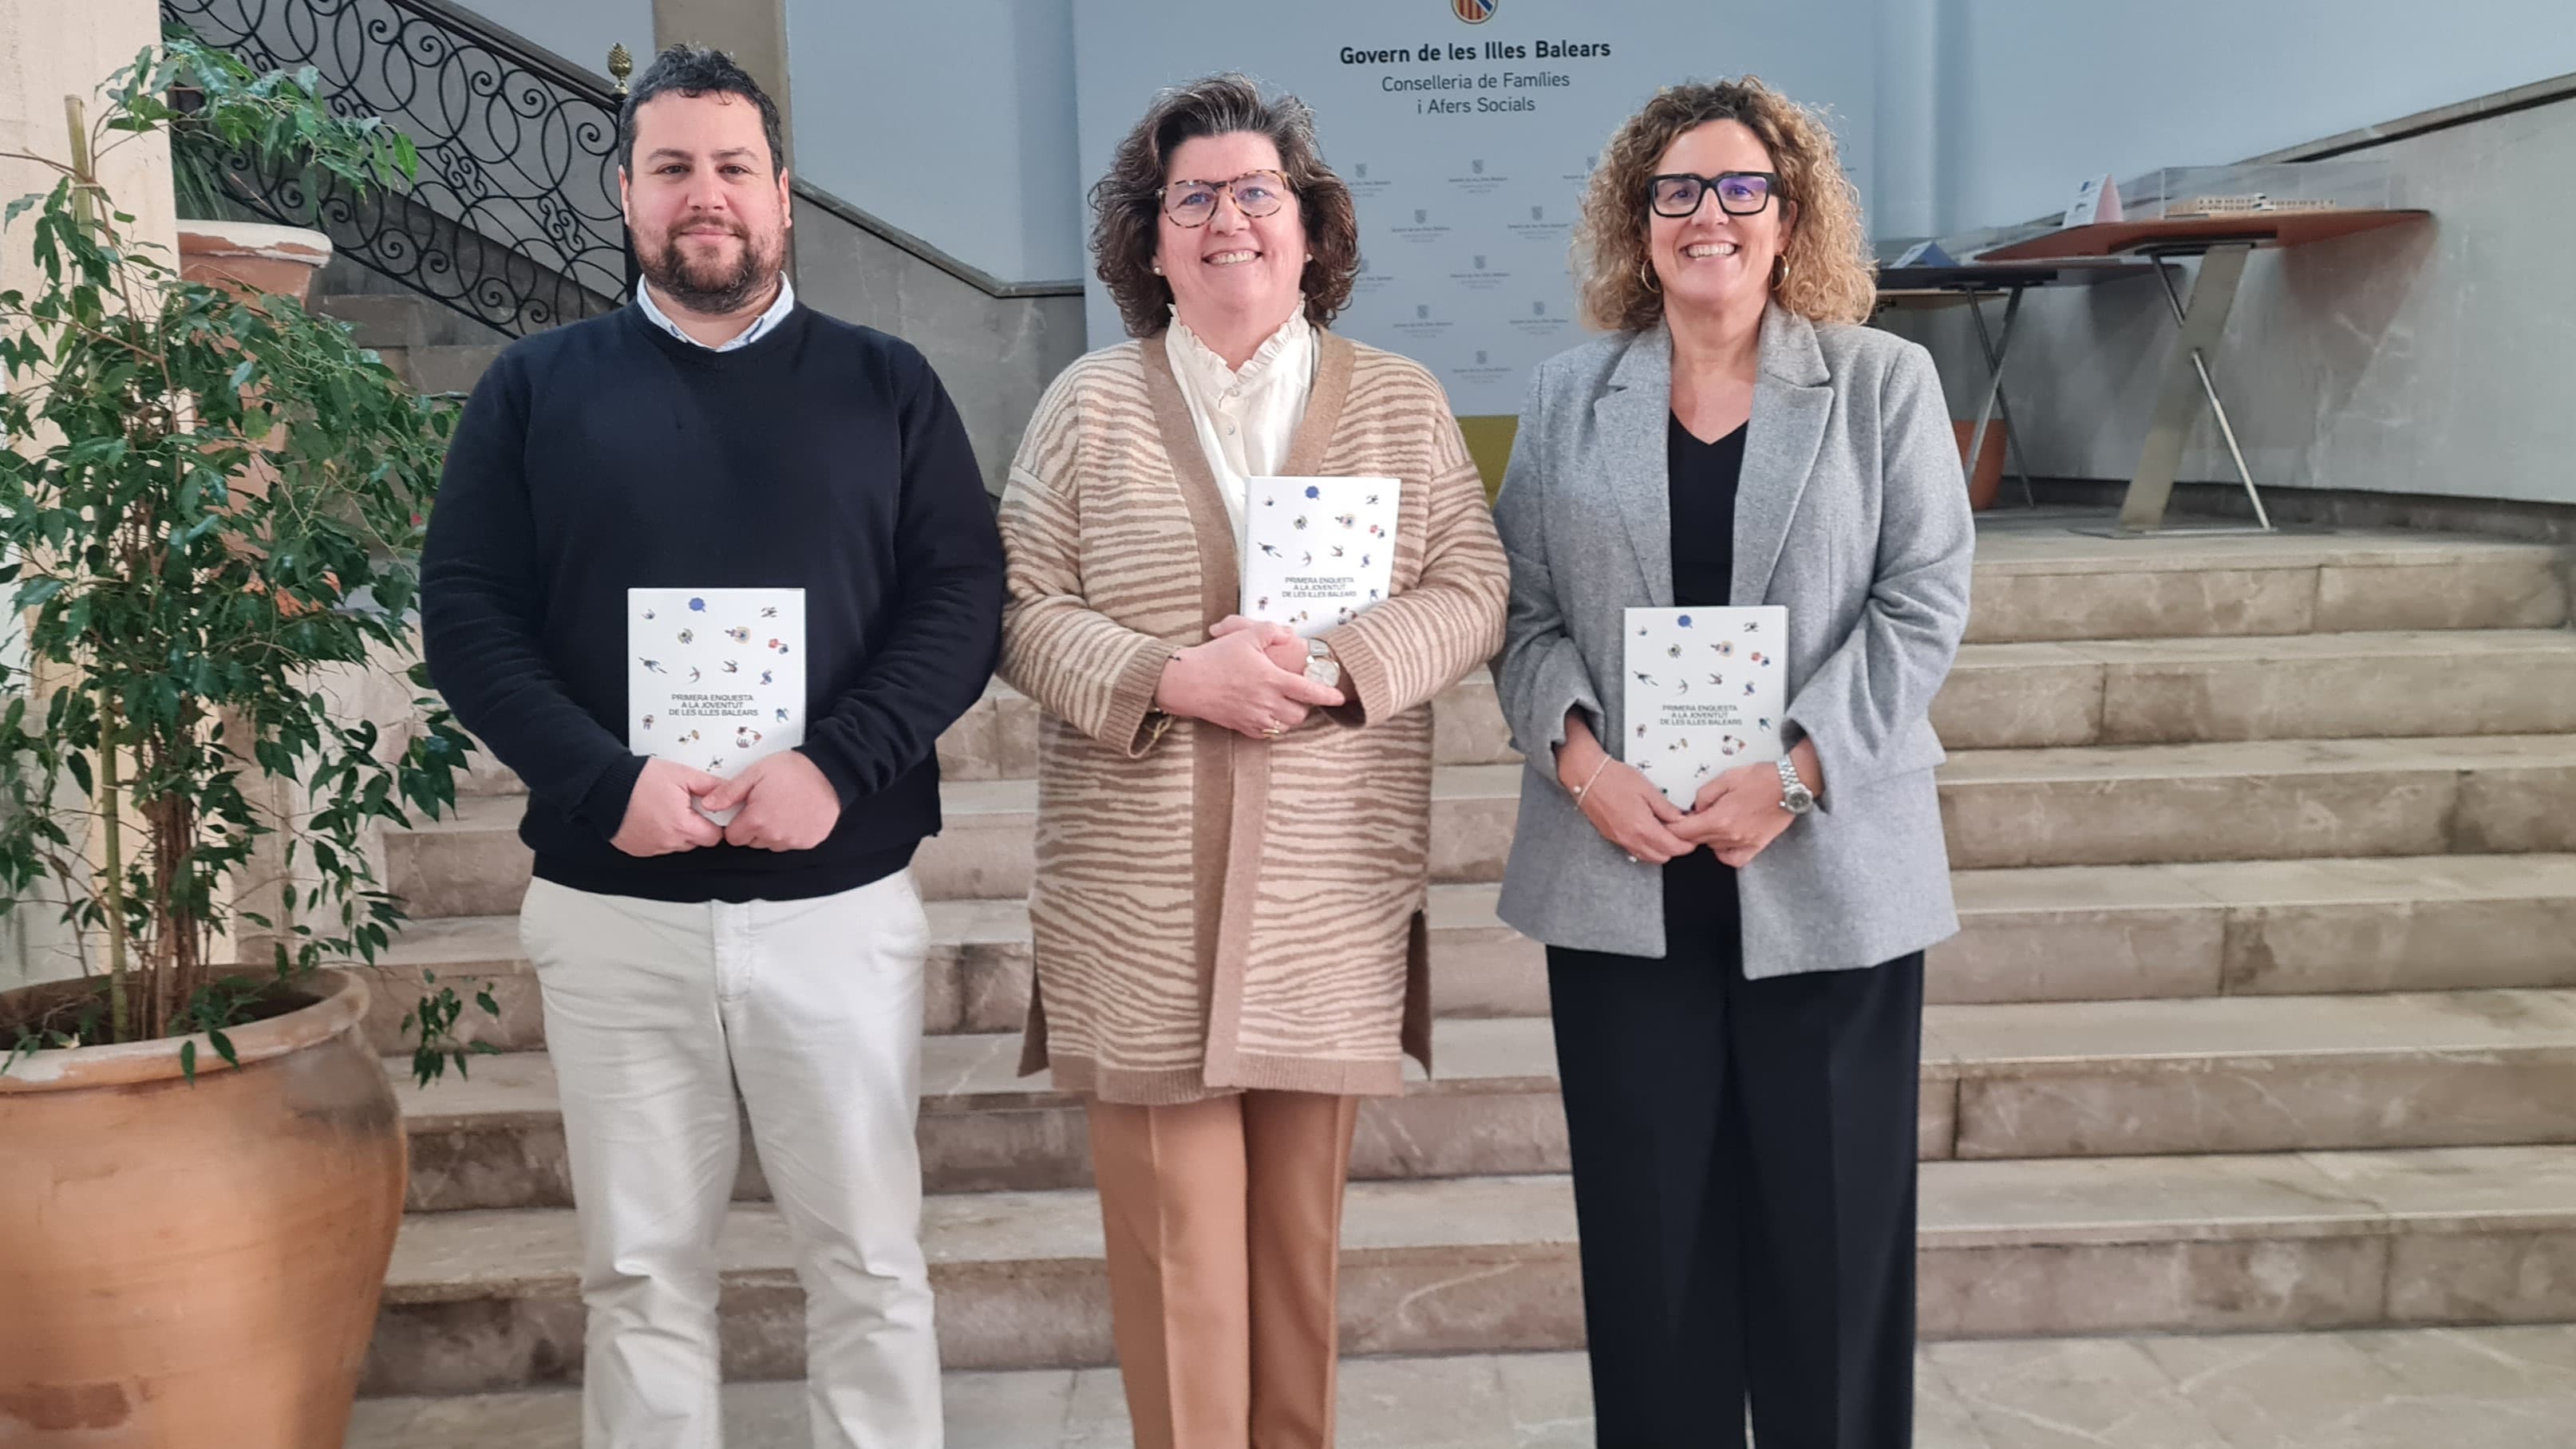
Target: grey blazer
[(1852, 513)]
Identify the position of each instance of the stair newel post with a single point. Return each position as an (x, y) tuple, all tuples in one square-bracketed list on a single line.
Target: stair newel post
[(621, 64)]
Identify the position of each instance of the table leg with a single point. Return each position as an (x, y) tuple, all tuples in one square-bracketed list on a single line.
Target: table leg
[(2188, 385), (1997, 354)]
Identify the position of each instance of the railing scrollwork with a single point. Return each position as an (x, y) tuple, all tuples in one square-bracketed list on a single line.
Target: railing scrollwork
[(514, 218)]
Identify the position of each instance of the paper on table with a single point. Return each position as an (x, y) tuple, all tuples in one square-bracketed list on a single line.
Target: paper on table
[(1705, 691), (1317, 552), (715, 678)]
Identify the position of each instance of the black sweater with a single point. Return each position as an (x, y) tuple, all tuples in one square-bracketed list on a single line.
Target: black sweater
[(610, 455)]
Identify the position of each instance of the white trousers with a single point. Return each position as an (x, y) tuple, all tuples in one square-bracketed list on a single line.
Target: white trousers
[(655, 1014)]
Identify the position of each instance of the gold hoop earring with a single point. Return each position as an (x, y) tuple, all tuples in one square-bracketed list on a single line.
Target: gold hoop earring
[(1646, 276), (1780, 272)]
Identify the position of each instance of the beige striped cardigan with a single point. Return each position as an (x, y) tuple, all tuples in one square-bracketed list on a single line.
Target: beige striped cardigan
[(1212, 912)]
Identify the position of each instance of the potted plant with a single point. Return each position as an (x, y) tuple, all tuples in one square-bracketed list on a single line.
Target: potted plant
[(205, 1160), (228, 125)]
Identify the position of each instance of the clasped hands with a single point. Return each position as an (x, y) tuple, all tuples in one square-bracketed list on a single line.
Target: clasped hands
[(1249, 677), (1735, 815), (787, 804)]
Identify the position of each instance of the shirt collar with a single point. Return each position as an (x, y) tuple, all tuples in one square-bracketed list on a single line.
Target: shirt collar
[(1291, 335), (761, 326)]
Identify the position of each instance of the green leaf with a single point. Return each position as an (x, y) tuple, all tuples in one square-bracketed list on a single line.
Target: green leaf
[(224, 1048), (188, 1060)]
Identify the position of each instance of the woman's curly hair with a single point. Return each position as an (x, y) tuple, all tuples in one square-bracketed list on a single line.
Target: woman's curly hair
[(1127, 204), (1832, 274)]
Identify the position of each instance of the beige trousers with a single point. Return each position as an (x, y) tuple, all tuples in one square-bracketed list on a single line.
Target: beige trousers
[(1224, 1223), (655, 1014)]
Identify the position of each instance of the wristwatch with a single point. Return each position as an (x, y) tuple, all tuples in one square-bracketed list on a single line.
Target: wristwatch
[(1321, 666), (1795, 797)]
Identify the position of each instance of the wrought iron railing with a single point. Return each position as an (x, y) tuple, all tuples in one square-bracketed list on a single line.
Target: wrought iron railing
[(514, 219)]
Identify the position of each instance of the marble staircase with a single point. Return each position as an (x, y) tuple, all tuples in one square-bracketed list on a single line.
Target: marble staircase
[(2262, 1019)]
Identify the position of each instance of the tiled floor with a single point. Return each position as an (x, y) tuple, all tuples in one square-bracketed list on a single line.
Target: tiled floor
[(2484, 1388)]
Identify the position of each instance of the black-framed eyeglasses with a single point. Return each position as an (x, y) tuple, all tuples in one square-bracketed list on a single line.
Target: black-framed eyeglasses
[(1739, 193), (1255, 193)]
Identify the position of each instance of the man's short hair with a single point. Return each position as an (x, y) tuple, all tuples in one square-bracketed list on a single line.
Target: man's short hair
[(697, 70)]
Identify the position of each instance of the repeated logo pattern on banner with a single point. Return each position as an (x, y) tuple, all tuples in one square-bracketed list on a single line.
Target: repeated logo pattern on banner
[(1466, 130)]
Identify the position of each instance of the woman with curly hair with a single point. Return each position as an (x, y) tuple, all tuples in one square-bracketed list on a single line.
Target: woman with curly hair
[(1737, 988), (1233, 823)]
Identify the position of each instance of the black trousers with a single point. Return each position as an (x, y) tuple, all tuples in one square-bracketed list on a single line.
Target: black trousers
[(1744, 1181)]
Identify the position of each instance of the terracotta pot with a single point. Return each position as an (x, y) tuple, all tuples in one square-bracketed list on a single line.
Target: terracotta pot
[(255, 260), (186, 1265), (253, 257), (1986, 479)]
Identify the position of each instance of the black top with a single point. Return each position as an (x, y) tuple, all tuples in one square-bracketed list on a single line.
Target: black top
[(610, 455), (1701, 918), (1703, 478)]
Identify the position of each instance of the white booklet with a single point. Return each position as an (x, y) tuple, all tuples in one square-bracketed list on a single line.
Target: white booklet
[(1705, 690), (1317, 552), (715, 678)]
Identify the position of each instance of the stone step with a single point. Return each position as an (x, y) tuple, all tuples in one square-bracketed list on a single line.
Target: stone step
[(2392, 1388), (2260, 800), (2086, 1079), (2066, 933), (2038, 580), (382, 320), (472, 864), (2263, 927), (442, 367), (997, 739), (2493, 1388), (2084, 805), (977, 975), (2307, 686), (2002, 696), (483, 1301)]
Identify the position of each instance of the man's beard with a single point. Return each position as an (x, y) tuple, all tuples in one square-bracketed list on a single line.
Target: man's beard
[(709, 287)]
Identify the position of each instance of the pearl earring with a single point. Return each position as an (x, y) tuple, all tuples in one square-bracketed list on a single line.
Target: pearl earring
[(1158, 269)]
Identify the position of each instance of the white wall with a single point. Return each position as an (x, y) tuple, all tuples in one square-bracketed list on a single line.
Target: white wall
[(2430, 358), (578, 30), (953, 121), (1465, 195), (2034, 95), (956, 121)]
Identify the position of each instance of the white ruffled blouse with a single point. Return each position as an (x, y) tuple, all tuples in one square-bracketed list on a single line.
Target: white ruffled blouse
[(1245, 416)]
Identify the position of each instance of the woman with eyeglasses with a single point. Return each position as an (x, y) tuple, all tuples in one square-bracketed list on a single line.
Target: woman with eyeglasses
[(1233, 823), (1737, 988)]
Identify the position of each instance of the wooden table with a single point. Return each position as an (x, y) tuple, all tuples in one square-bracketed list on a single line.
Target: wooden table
[(1970, 284), (2223, 243)]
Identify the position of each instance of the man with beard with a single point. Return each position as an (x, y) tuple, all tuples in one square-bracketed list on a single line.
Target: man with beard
[(717, 435)]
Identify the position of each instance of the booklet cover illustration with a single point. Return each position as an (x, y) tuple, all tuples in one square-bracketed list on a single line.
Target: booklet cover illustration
[(1704, 693), (1317, 552), (715, 678)]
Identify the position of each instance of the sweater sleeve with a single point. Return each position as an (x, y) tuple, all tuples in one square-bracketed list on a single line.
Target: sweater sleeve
[(481, 610), (1406, 649), (948, 560), (1080, 665)]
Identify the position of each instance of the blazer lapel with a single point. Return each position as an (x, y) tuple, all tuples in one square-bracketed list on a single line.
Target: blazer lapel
[(1792, 401), (1635, 455)]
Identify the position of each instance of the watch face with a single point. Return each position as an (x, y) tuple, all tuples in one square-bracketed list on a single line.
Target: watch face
[(1799, 799)]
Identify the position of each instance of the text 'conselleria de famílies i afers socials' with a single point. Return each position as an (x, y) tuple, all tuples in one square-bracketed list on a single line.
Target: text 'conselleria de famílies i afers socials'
[(1474, 92)]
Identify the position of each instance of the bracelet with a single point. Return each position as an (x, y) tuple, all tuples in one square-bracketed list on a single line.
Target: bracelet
[(1581, 790)]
